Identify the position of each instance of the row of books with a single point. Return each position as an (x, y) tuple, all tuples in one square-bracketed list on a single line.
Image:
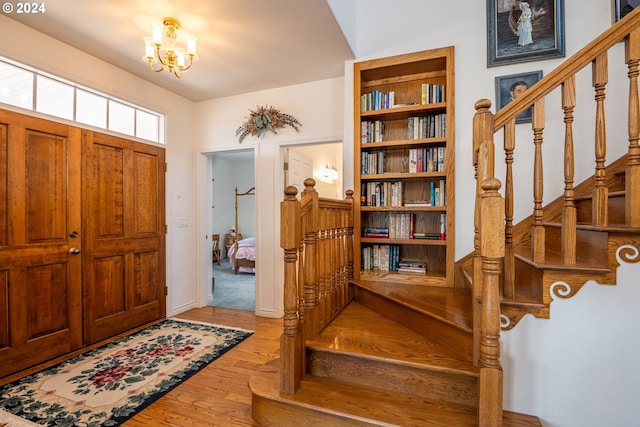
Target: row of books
[(390, 193), (432, 126), (371, 131), (400, 226), (387, 258), (432, 93), (427, 159), (378, 100), (372, 163), (381, 193)]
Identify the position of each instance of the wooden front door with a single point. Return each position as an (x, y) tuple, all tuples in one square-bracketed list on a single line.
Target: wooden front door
[(40, 262), (124, 235)]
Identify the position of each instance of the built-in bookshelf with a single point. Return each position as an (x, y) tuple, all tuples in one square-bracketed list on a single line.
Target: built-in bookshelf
[(404, 164)]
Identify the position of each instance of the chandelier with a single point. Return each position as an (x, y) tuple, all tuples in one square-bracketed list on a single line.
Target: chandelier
[(161, 47)]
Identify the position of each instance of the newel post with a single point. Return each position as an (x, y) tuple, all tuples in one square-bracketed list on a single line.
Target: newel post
[(482, 132), (491, 252), (290, 341), (632, 178)]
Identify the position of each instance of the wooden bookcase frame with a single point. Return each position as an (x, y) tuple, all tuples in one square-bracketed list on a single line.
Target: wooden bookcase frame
[(404, 76)]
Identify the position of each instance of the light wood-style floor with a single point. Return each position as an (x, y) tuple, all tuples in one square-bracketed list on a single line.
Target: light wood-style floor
[(219, 395)]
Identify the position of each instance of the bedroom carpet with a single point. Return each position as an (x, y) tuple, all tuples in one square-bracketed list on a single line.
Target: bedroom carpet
[(108, 385), (232, 290)]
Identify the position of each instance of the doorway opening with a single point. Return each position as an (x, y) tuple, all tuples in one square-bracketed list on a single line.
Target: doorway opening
[(233, 222)]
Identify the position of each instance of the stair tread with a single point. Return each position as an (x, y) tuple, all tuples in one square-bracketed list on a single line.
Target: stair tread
[(553, 261), (375, 406), (358, 329), (450, 305)]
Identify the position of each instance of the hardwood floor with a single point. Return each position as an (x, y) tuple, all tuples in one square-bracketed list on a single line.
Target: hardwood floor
[(218, 395)]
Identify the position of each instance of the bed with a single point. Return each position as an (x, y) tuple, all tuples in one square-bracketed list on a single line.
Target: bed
[(242, 253)]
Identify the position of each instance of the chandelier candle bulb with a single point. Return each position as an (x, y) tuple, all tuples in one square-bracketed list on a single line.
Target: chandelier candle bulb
[(191, 45)]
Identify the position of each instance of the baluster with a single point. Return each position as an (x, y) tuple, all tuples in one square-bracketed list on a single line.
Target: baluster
[(350, 254), (290, 341), (322, 268), (509, 255), (537, 230), (309, 316), (632, 174), (569, 209), (600, 191), (492, 251)]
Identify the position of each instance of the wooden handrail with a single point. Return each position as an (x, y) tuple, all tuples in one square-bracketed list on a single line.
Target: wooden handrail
[(316, 235)]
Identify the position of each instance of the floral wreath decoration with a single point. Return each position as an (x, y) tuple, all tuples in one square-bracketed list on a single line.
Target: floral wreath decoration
[(265, 119)]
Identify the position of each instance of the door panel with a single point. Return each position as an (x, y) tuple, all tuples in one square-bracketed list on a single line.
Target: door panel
[(300, 168), (40, 277), (124, 240)]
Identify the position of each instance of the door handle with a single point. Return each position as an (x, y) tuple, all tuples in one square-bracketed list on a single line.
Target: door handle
[(74, 251)]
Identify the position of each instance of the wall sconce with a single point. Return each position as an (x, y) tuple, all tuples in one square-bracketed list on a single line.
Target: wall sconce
[(329, 174)]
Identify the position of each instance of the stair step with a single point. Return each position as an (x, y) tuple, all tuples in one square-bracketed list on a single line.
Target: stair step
[(443, 304), (363, 347), (329, 403), (359, 329)]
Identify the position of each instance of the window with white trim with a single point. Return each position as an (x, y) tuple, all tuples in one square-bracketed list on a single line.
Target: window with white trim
[(38, 91)]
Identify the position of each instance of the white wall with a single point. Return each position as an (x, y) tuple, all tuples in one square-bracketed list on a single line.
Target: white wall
[(317, 106), (45, 53), (577, 369)]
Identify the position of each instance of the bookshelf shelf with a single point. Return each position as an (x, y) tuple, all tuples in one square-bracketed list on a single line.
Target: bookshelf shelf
[(404, 163)]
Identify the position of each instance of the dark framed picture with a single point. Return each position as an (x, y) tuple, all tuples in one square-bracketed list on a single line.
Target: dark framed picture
[(511, 87), (523, 31), (622, 7)]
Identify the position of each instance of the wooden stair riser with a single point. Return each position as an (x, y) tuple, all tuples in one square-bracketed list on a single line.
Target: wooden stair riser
[(422, 323), (589, 244), (616, 212), (424, 381), (289, 413)]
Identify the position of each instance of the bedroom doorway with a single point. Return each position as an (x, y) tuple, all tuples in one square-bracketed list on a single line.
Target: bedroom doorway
[(233, 218)]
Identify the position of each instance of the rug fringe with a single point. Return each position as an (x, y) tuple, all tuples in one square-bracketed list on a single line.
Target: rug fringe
[(209, 324), (9, 420)]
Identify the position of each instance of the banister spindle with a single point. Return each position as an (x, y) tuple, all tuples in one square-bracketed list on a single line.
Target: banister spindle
[(537, 229), (310, 300), (600, 190), (632, 174), (509, 255), (569, 219)]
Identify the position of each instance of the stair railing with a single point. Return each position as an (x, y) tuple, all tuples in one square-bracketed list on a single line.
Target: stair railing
[(486, 292), (316, 235)]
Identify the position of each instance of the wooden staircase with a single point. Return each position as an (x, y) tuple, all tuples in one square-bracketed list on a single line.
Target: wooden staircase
[(370, 353)]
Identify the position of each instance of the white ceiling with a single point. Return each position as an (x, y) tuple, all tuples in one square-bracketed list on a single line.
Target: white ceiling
[(244, 45)]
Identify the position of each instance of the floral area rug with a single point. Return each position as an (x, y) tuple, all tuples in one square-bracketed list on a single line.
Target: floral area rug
[(108, 385)]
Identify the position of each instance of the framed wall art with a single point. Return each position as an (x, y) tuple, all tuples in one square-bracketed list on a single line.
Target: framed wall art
[(622, 7), (510, 87), (523, 31)]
